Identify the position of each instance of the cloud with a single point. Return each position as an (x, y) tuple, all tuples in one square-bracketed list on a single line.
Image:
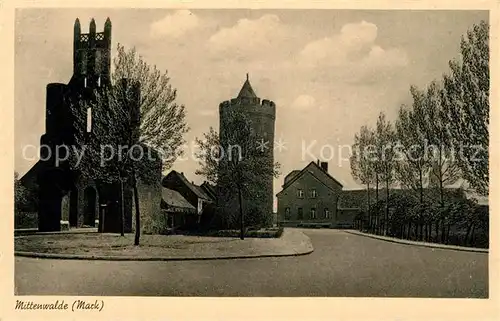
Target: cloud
[(175, 25), (248, 38), (303, 102), (352, 55)]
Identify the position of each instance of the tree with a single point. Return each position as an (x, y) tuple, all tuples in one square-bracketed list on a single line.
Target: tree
[(385, 138), (466, 103), (233, 162), (444, 169), (137, 120), (413, 162), (361, 162)]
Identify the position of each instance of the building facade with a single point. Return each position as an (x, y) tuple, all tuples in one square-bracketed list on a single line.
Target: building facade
[(195, 195), (310, 197)]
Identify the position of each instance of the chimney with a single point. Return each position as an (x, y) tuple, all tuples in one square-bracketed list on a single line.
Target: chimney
[(324, 166)]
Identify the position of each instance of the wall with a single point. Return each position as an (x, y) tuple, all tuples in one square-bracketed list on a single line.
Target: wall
[(152, 218)]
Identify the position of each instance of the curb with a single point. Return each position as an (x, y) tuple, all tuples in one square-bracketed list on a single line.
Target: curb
[(132, 258), (421, 244), (166, 258)]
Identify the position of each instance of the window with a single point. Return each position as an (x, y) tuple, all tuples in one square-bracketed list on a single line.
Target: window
[(313, 193), (327, 213), (287, 213), (85, 82), (300, 214), (89, 119), (300, 193), (313, 213)]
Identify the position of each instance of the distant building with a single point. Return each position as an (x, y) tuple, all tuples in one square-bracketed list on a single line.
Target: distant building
[(311, 196), (176, 208), (199, 197)]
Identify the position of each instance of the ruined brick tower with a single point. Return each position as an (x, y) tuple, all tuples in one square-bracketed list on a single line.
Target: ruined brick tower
[(262, 115), (65, 199)]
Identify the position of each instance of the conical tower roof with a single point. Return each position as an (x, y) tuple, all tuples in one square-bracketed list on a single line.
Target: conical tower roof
[(247, 90)]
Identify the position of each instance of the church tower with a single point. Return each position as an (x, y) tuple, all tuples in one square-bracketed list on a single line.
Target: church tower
[(262, 115), (92, 55)]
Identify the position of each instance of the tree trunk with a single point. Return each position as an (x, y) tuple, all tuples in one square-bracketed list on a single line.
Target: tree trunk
[(386, 220), (242, 217), (122, 208), (448, 233), (369, 210), (436, 239), (472, 234), (137, 214), (376, 199), (469, 228)]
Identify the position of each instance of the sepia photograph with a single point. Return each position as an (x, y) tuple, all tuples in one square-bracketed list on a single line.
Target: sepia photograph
[(237, 152)]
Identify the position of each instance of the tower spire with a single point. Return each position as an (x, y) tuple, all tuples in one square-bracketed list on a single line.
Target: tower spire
[(247, 90)]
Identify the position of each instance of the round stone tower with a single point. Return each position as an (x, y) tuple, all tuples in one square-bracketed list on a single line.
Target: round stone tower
[(262, 115)]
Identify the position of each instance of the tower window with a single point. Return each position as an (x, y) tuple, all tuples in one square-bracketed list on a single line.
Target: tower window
[(99, 81), (89, 120), (85, 82)]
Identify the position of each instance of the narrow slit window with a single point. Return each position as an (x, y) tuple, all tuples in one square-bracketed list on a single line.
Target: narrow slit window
[(89, 120)]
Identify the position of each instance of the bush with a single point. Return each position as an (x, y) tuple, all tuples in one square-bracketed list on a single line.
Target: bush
[(25, 220)]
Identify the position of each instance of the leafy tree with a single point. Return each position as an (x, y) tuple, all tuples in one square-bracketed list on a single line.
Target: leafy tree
[(136, 124), (386, 145), (466, 103), (233, 162), (444, 166)]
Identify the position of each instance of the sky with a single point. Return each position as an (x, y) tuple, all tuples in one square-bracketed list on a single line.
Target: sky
[(328, 71)]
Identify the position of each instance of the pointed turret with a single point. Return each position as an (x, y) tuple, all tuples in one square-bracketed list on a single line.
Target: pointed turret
[(247, 90), (77, 31), (107, 29), (107, 24), (92, 26), (77, 26)]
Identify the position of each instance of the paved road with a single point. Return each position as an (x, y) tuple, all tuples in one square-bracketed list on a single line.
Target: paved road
[(341, 265)]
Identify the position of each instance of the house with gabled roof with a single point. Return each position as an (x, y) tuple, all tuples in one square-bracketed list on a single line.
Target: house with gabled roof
[(310, 197), (198, 196)]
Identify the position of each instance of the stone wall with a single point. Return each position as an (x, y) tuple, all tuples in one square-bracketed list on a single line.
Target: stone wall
[(153, 220)]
